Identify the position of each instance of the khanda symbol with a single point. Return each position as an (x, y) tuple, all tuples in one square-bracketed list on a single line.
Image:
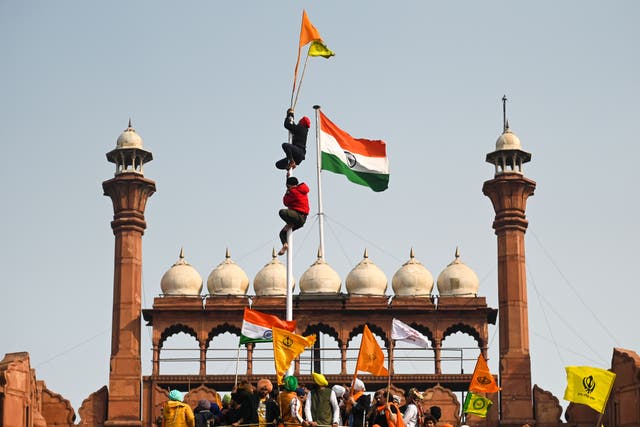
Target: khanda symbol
[(371, 357), (484, 380), (287, 341), (589, 384)]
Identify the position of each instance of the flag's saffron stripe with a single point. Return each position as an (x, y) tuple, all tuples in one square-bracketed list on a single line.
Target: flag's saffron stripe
[(364, 147), (377, 181)]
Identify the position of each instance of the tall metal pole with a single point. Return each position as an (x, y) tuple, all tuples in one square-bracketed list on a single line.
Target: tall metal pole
[(290, 284), (318, 170)]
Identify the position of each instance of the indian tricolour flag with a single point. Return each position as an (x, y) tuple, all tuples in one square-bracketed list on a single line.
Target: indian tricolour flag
[(362, 161), (256, 326)]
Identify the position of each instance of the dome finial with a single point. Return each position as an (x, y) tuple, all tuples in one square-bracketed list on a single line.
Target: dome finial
[(182, 252), (457, 252), (273, 253), (366, 253), (129, 126), (411, 254), (227, 254), (505, 123), (319, 253)]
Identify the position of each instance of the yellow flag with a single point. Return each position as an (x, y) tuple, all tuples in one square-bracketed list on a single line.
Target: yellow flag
[(589, 386), (318, 48), (286, 347), (482, 381), (370, 357)]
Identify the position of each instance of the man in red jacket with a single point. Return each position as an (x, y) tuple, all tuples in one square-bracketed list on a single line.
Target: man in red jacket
[(295, 215)]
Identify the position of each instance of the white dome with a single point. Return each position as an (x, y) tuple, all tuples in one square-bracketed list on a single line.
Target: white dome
[(320, 278), (508, 141), (366, 278), (272, 278), (412, 279), (129, 138), (227, 279), (181, 279), (457, 279)]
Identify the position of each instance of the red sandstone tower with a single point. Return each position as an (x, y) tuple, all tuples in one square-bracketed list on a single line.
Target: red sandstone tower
[(129, 191), (508, 192)]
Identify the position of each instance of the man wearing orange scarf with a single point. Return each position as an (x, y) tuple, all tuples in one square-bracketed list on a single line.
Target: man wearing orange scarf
[(357, 405), (385, 413)]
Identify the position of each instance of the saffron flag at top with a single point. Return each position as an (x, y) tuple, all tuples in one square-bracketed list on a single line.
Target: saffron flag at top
[(362, 161), (256, 326), (308, 32)]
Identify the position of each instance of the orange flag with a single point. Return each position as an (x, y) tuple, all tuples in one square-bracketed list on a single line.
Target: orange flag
[(370, 357), (308, 32), (482, 381)]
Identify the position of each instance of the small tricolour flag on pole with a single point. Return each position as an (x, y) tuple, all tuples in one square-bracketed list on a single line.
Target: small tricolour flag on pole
[(362, 161), (256, 326), (589, 386), (400, 331)]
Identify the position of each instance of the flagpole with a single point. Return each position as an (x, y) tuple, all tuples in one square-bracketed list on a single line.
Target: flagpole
[(318, 170), (306, 60), (237, 363), (289, 315)]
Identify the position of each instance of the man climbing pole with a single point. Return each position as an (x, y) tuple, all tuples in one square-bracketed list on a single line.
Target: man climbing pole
[(295, 215), (296, 150)]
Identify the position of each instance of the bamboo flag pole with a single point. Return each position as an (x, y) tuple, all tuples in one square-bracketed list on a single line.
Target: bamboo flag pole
[(235, 383), (306, 61)]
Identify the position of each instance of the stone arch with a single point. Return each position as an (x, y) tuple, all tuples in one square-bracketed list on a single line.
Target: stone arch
[(376, 330), (464, 328), (221, 329), (176, 329), (325, 329)]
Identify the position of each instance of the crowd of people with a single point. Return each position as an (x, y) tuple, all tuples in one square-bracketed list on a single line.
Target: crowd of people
[(297, 405)]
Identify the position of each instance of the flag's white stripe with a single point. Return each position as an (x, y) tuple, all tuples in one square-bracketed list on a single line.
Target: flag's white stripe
[(330, 145), (251, 330)]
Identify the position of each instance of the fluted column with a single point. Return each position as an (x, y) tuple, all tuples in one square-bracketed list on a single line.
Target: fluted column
[(129, 193), (509, 193)]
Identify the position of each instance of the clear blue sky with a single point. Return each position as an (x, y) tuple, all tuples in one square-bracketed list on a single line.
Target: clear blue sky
[(206, 85)]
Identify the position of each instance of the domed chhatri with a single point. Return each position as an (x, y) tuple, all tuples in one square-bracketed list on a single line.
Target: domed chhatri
[(320, 278), (271, 280), (129, 138), (129, 155), (458, 280), (366, 278), (412, 279), (228, 279), (508, 141), (181, 279)]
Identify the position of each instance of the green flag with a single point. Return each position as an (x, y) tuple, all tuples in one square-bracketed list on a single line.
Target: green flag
[(318, 48), (476, 404)]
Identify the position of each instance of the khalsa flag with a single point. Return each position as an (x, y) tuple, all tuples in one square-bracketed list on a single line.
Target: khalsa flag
[(362, 161), (286, 347), (256, 326), (589, 386), (402, 332), (370, 356), (482, 381)]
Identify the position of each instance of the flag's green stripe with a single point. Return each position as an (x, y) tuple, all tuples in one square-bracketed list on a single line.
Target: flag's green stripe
[(245, 340), (377, 182)]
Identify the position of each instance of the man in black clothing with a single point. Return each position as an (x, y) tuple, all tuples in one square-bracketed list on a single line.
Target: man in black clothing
[(297, 149)]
